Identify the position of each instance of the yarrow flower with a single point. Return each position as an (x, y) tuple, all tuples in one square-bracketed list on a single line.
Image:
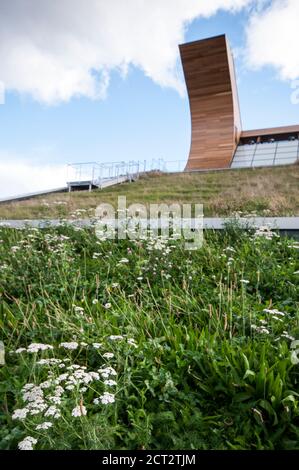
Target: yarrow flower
[(53, 411), (107, 398), (45, 425), (107, 371), (20, 414), (97, 345), (79, 411), (273, 312), (107, 305), (110, 382), (71, 345), (35, 347), (108, 355), (116, 337), (27, 443)]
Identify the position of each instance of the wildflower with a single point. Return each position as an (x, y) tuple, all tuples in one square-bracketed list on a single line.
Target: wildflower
[(107, 305), (132, 342), (45, 425), (33, 394), (53, 411), (114, 285), (58, 391), (116, 337), (286, 335), (72, 345), (20, 350), (79, 310), (79, 411), (244, 281), (35, 347), (97, 345), (107, 371), (46, 384), (273, 312), (124, 260), (108, 355), (49, 361), (55, 399), (95, 301), (110, 382), (107, 398), (70, 387), (20, 414), (260, 329), (27, 443)]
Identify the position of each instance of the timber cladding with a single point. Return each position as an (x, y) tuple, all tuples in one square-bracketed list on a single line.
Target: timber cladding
[(214, 106)]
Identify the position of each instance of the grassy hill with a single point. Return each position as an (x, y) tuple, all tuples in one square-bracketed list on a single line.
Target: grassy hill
[(264, 191)]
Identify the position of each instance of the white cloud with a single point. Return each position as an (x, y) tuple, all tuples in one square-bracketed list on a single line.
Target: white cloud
[(273, 38), (20, 177), (58, 49)]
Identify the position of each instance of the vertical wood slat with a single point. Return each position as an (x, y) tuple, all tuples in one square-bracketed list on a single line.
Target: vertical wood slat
[(214, 106)]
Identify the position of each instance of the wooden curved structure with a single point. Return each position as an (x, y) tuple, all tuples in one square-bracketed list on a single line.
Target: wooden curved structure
[(214, 106)]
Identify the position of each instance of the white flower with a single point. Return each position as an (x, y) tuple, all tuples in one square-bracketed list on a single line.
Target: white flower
[(33, 394), (97, 345), (58, 391), (114, 284), (46, 384), (286, 335), (124, 260), (274, 312), (55, 399), (53, 411), (35, 347), (27, 443), (45, 425), (20, 414), (20, 350), (107, 398), (107, 305), (70, 387), (244, 281), (116, 337), (95, 301), (79, 310), (108, 355), (107, 371), (72, 345), (79, 411), (110, 382), (132, 342)]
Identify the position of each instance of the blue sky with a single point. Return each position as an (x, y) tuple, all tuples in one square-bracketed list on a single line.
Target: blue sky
[(138, 119)]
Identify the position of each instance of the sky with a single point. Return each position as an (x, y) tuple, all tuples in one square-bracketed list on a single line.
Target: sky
[(91, 80)]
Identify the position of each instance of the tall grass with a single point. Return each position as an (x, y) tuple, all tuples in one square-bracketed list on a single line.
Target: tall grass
[(200, 341)]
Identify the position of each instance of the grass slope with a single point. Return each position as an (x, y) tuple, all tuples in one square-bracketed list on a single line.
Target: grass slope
[(264, 191), (144, 345)]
